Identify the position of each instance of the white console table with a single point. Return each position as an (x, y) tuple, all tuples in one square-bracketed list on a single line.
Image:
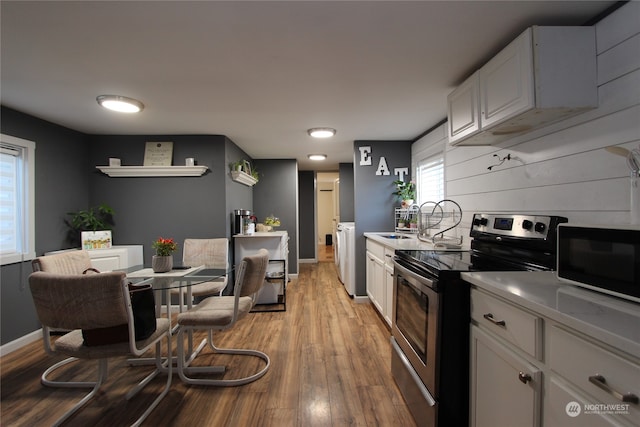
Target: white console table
[(277, 243)]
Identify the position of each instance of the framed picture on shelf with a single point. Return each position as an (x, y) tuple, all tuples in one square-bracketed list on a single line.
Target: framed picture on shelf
[(158, 154)]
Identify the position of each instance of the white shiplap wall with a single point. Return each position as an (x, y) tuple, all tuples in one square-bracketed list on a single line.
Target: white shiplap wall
[(561, 169)]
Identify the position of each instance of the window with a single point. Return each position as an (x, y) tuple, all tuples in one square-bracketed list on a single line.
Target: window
[(17, 199), (430, 179)]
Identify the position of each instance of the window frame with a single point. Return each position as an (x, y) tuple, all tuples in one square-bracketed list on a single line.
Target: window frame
[(27, 250)]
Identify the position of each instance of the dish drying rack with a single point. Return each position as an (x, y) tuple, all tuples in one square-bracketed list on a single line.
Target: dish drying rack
[(406, 219), (435, 219)]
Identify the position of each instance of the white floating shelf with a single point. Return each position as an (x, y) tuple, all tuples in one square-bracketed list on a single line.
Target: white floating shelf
[(128, 171), (243, 178)]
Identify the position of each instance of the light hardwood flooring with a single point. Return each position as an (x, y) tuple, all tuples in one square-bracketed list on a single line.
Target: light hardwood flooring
[(330, 366)]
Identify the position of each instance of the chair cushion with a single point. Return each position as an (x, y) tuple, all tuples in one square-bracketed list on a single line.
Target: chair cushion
[(215, 311), (72, 344)]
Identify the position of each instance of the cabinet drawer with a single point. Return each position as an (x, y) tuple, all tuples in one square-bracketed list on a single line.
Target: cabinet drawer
[(389, 253), (376, 249), (585, 364), (513, 324), (564, 407)]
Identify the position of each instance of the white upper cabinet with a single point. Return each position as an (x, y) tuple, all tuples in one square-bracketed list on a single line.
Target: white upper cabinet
[(545, 75)]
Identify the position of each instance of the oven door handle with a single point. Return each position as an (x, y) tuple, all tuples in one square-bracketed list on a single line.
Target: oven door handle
[(423, 390), (419, 279)]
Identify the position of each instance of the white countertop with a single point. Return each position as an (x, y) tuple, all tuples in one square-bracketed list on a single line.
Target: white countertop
[(412, 243), (612, 320), (274, 233)]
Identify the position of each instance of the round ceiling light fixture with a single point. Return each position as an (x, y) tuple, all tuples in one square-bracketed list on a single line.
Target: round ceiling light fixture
[(317, 157), (121, 104), (321, 132)]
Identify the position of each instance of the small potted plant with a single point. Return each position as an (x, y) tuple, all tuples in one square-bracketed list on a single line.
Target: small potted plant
[(405, 192), (162, 261), (413, 223), (93, 219)]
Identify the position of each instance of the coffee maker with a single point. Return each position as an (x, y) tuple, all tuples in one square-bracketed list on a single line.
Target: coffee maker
[(240, 217)]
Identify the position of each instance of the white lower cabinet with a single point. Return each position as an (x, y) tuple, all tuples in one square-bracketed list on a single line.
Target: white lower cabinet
[(379, 265), (530, 370), (505, 388)]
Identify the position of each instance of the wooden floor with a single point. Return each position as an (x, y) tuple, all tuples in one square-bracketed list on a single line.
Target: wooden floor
[(330, 366)]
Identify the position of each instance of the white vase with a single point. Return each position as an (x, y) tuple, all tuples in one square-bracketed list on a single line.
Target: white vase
[(406, 203), (161, 264)]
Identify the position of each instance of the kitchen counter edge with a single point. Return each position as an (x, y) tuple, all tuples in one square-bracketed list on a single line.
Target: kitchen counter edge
[(541, 292)]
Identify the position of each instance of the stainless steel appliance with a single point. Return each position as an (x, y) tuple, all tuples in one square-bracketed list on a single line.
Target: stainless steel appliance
[(239, 216), (601, 258), (431, 313)]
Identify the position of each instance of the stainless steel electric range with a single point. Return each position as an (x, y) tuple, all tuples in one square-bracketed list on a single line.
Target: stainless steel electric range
[(431, 313)]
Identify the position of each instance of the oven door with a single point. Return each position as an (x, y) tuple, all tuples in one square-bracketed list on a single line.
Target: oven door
[(415, 322)]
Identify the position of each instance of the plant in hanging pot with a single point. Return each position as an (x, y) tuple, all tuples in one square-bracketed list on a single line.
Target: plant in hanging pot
[(405, 192), (162, 261)]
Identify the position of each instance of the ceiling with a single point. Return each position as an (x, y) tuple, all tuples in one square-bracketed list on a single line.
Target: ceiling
[(259, 72)]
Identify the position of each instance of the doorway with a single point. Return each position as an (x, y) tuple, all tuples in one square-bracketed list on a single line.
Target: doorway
[(327, 213)]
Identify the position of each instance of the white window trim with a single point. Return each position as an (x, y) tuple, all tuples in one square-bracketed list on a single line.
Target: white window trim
[(28, 240)]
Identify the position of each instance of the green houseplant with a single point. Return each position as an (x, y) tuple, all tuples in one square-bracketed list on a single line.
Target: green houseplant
[(405, 192), (92, 219)]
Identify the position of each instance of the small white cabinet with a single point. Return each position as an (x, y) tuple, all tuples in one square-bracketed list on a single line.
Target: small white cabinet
[(546, 74), (379, 265), (277, 243)]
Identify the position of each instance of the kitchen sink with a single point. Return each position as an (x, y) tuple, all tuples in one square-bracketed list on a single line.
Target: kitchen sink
[(394, 236)]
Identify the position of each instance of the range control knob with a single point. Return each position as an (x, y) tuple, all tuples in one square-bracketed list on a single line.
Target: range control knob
[(480, 221), (526, 224), (540, 227)]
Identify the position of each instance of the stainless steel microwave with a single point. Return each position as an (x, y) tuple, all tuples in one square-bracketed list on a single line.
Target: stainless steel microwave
[(602, 258)]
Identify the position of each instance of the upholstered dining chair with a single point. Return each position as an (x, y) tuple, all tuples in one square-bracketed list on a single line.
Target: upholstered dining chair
[(212, 253), (69, 262), (77, 302), (221, 313)]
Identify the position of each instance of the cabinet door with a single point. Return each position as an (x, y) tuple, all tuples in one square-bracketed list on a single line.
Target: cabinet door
[(507, 82), (463, 110), (505, 388), (375, 282)]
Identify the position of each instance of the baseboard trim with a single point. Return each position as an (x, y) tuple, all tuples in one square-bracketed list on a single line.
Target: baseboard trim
[(361, 299), (17, 344)]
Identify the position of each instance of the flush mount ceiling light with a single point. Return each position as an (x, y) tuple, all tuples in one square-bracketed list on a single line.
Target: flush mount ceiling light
[(317, 157), (121, 104), (321, 132)]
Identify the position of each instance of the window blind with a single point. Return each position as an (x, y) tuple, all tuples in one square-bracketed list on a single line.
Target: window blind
[(430, 179)]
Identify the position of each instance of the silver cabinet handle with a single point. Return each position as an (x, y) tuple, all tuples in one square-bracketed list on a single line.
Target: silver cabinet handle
[(601, 382), (490, 318), (524, 378)]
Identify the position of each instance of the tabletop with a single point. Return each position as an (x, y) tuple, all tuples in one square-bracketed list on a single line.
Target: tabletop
[(177, 278)]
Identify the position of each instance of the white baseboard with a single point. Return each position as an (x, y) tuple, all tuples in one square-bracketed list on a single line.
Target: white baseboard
[(361, 299), (14, 345), (307, 260)]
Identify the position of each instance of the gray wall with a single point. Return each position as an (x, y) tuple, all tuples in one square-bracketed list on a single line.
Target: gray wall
[(307, 214), (277, 193), (346, 192), (61, 186), (149, 207), (374, 201)]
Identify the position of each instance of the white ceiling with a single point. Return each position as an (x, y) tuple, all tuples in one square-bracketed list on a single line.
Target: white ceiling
[(260, 72)]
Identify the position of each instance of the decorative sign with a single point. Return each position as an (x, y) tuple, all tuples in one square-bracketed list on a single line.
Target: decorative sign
[(158, 154), (383, 167), (96, 239)]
